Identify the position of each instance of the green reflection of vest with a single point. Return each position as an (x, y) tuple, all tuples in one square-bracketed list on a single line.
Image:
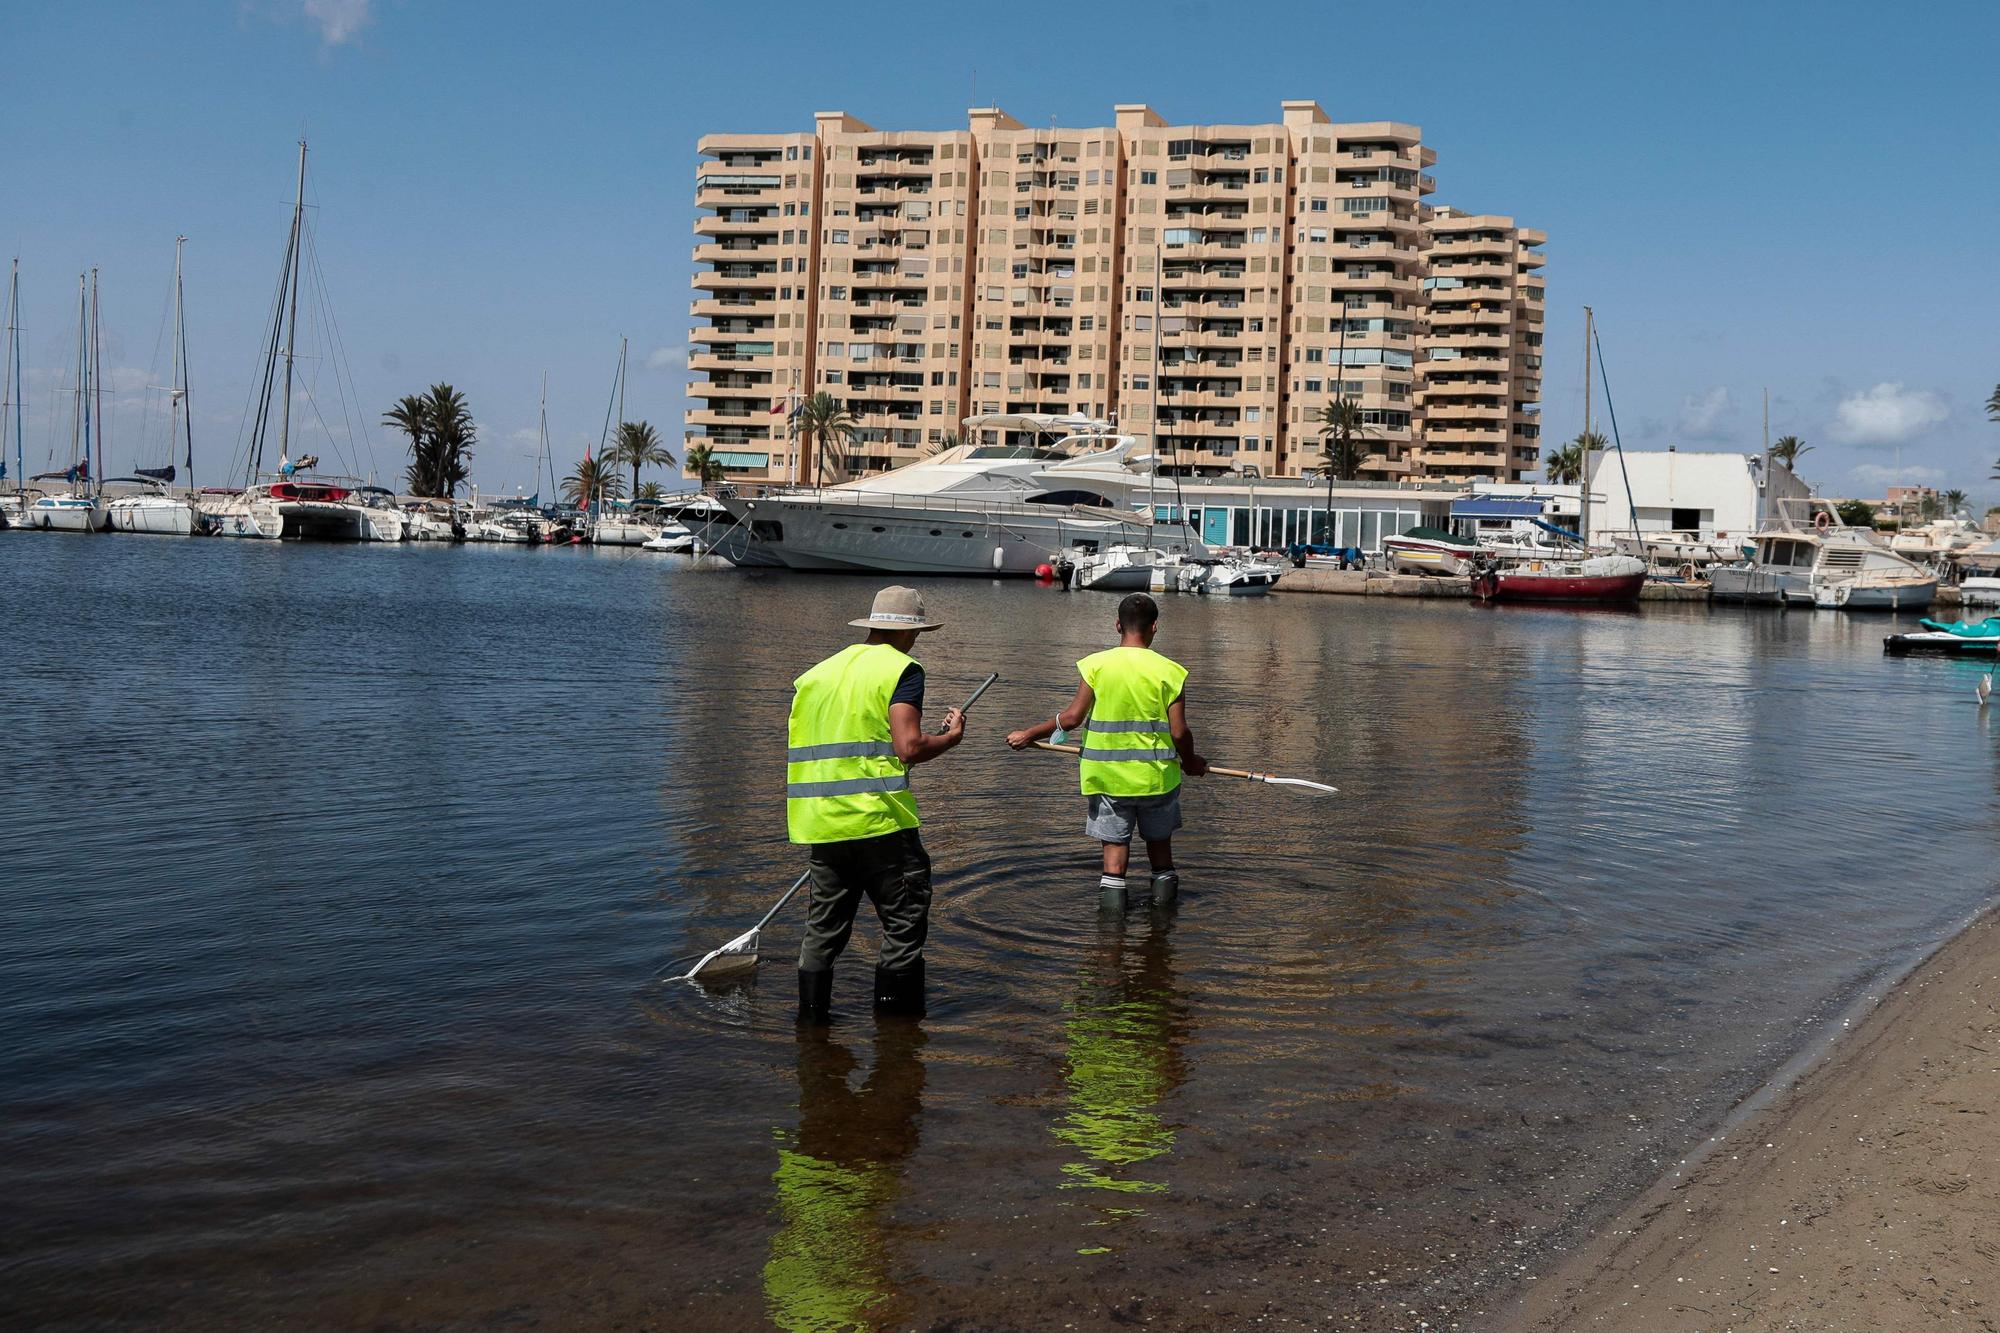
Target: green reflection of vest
[(828, 1267), (826, 1264), (1123, 1035)]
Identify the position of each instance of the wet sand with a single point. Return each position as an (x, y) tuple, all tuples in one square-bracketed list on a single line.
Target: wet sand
[(1866, 1196)]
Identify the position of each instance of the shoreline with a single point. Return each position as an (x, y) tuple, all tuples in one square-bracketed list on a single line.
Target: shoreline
[(1852, 1191)]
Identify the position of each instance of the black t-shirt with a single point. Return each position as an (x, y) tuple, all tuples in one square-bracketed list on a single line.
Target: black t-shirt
[(910, 688)]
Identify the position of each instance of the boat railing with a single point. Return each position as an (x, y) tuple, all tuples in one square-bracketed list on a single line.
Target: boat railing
[(898, 500)]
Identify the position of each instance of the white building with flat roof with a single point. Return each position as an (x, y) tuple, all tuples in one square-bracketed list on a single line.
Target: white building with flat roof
[(1710, 497)]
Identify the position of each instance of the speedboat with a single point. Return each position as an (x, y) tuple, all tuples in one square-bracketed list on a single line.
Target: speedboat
[(976, 508), (1430, 551), (1824, 563), (1937, 637), (620, 527), (513, 526), (1115, 569), (673, 539), (1979, 592), (1231, 576)]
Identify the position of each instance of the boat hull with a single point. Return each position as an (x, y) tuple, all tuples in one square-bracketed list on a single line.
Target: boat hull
[(1939, 641), (1531, 586), (156, 515), (621, 532), (70, 514), (1421, 557), (862, 537)]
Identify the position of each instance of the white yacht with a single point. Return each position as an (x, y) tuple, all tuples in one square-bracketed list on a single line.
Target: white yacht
[(156, 511), (1826, 564), (295, 508), (70, 513), (512, 526), (617, 527), (973, 509), (1116, 569)]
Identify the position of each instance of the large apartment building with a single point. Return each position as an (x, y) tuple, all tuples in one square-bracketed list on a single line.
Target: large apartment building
[(1213, 287)]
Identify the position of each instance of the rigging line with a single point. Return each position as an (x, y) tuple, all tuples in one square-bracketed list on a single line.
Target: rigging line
[(254, 460), (338, 348), (239, 451), (1624, 468)]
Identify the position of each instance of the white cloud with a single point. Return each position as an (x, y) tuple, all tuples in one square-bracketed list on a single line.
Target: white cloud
[(1876, 474), (667, 358), (1887, 414), (1703, 414), (339, 21)]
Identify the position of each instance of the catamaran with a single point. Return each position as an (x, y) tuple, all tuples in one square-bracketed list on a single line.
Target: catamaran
[(297, 503)]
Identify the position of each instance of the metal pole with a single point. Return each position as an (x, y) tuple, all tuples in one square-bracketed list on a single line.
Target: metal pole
[(96, 389), (292, 333), (1583, 490)]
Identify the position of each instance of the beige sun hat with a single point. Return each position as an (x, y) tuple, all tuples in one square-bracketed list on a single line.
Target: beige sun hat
[(897, 609)]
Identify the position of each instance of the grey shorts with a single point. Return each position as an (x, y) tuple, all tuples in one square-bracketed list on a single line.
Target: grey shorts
[(1112, 818)]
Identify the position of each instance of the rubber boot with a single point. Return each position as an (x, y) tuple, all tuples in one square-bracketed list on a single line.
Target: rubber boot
[(1166, 887), (815, 996), (900, 991), (1111, 893)]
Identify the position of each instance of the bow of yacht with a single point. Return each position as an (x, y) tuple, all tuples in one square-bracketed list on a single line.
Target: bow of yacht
[(976, 508)]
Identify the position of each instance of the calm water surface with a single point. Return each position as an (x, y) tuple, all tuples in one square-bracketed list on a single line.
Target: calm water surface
[(337, 883)]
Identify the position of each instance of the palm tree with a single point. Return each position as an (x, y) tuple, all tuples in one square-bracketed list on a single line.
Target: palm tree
[(1993, 405), (595, 479), (825, 422), (949, 440), (1564, 465), (451, 435), (704, 465), (412, 417), (1786, 449), (649, 494), (638, 445), (1341, 431), (1954, 502)]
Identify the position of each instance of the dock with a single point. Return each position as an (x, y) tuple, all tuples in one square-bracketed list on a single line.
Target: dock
[(1374, 583)]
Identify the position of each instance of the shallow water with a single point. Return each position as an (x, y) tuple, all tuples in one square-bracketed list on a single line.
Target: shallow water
[(338, 881)]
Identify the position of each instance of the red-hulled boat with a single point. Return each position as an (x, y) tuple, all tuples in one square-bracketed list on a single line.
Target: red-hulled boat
[(1597, 578)]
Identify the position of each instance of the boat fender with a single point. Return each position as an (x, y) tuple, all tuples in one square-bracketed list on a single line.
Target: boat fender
[(999, 557)]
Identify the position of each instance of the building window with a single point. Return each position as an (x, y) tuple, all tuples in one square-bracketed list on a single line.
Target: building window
[(1149, 178)]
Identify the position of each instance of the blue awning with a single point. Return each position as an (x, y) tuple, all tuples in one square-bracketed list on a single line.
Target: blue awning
[(1493, 506)]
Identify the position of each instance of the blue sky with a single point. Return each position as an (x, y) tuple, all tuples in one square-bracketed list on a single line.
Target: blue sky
[(1799, 197)]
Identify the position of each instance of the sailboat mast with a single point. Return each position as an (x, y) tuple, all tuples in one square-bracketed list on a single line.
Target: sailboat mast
[(96, 389), (1583, 493), (177, 395), (542, 444), (292, 331), (14, 393), (619, 426), (79, 419)]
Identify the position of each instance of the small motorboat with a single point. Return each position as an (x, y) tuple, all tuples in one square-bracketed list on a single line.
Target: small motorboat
[(1114, 569), (1966, 636), (1232, 576), (1979, 592), (1430, 551), (673, 539)]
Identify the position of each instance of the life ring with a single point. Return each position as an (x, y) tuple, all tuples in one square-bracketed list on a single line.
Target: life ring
[(1822, 520)]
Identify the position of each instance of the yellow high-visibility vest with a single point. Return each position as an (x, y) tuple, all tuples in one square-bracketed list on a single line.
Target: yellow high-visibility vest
[(842, 778), (1127, 747)]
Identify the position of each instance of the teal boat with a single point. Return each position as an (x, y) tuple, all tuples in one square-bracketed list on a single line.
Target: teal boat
[(1966, 636)]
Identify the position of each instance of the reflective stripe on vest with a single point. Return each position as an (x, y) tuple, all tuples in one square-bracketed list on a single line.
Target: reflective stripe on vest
[(1128, 744), (842, 778)]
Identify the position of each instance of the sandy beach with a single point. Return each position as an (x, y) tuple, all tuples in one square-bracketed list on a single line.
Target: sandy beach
[(1864, 1197)]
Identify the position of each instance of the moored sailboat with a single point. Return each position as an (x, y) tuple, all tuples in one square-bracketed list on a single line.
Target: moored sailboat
[(82, 508), (157, 511)]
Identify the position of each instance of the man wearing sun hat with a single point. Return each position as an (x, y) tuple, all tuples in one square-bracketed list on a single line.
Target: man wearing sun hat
[(856, 731)]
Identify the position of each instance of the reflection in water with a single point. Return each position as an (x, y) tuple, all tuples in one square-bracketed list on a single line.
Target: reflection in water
[(1125, 1029), (828, 1267)]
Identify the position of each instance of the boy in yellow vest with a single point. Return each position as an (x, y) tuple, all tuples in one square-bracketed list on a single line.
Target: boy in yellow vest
[(1136, 746), (857, 728)]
